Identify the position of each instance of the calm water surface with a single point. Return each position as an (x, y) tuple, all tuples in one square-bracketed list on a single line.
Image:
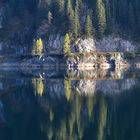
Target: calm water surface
[(55, 104)]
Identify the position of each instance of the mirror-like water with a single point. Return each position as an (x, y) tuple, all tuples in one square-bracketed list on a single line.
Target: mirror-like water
[(69, 105)]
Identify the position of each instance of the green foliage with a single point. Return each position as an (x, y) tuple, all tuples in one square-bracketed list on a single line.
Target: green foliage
[(61, 5), (78, 5), (68, 16), (89, 27), (67, 49), (50, 18), (37, 47), (77, 26), (100, 9)]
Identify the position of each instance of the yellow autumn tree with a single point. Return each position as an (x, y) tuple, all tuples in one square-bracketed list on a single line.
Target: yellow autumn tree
[(67, 49), (37, 47)]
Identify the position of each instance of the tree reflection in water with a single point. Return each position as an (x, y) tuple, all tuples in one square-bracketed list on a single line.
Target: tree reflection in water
[(32, 111), (38, 86)]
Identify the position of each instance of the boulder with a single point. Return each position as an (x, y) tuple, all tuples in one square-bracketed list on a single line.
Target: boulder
[(84, 45)]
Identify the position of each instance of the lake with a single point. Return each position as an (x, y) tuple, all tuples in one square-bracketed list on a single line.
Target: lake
[(59, 104)]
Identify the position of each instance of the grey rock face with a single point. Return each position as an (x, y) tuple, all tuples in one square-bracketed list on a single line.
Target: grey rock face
[(110, 44), (55, 44), (107, 44), (84, 45), (8, 48), (81, 60)]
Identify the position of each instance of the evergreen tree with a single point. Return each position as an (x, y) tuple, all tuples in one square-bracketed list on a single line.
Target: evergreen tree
[(119, 16), (100, 10), (89, 27), (78, 5), (77, 26), (67, 49), (109, 20), (61, 4), (50, 18), (42, 3), (70, 14)]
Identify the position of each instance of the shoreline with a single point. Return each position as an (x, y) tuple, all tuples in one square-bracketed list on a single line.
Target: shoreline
[(87, 61)]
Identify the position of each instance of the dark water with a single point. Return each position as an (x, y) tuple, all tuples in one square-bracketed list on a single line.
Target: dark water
[(69, 105)]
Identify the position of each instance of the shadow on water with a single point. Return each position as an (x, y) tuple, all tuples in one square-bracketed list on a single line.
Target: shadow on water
[(56, 104)]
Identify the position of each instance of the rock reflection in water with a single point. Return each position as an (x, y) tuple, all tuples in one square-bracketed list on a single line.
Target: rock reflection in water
[(89, 82), (77, 106), (84, 83)]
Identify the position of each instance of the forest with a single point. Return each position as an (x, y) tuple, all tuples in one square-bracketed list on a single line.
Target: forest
[(87, 18)]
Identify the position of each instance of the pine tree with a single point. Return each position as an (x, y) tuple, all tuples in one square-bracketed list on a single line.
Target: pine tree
[(89, 27), (101, 16), (67, 49), (61, 5), (78, 5), (70, 14), (44, 4), (50, 17), (77, 27), (109, 20)]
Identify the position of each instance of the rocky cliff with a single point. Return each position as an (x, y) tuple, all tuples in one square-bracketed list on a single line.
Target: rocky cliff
[(106, 44)]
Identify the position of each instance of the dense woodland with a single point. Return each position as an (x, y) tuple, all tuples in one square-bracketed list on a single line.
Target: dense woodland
[(91, 18)]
